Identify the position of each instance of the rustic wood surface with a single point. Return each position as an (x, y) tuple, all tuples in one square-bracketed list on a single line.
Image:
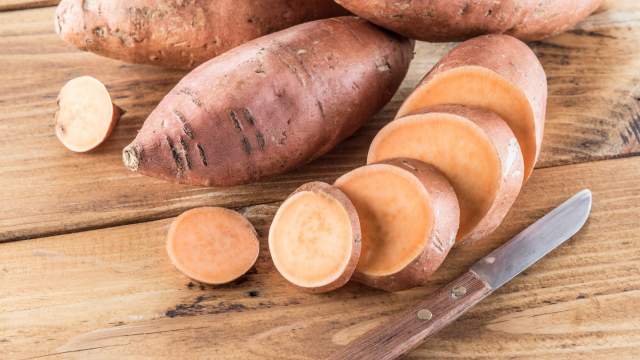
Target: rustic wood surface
[(110, 292), (90, 278), (594, 114)]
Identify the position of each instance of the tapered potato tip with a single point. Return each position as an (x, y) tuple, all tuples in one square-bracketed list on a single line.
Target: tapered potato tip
[(409, 217), (131, 157), (212, 245), (86, 116), (314, 239)]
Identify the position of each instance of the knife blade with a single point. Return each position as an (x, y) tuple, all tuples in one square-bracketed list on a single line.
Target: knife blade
[(401, 334)]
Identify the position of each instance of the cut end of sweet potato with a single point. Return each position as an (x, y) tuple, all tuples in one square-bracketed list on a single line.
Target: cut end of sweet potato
[(314, 239), (409, 217), (498, 73), (212, 245), (476, 151), (477, 86), (86, 116)]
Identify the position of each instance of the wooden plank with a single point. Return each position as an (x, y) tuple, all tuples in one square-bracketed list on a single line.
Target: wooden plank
[(112, 293), (45, 189), (7, 5)]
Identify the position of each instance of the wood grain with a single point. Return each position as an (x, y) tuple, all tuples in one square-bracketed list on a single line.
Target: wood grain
[(6, 5), (400, 334), (46, 190), (112, 293)]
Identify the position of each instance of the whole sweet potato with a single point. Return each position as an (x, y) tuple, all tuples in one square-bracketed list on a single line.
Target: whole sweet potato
[(456, 20), (271, 104), (178, 33)]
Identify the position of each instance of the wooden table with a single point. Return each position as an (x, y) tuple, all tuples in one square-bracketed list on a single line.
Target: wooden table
[(84, 274)]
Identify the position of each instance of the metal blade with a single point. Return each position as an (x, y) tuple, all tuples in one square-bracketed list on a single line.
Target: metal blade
[(534, 242)]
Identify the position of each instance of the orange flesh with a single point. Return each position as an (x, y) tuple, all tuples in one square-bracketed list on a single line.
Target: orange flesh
[(85, 116), (457, 147), (477, 86), (212, 245), (311, 239), (395, 216)]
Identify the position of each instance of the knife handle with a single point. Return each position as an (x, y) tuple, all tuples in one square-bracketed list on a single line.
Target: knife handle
[(404, 332)]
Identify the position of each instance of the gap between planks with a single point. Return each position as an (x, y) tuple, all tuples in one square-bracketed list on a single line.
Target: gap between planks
[(172, 214)]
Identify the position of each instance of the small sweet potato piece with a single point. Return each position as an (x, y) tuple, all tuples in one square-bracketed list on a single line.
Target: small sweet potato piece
[(272, 104), (314, 239), (178, 34), (409, 217), (86, 116), (212, 245), (476, 151), (457, 20), (495, 72)]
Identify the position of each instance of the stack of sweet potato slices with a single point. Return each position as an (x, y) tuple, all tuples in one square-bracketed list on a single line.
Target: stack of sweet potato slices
[(445, 172)]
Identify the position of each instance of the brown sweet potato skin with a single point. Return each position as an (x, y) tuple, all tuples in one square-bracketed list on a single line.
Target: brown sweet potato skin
[(272, 104), (551, 17), (457, 20), (178, 33)]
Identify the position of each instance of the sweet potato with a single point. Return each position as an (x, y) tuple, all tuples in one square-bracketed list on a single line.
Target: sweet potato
[(495, 72), (457, 20), (178, 33), (476, 151), (314, 239), (212, 245), (86, 116), (409, 217), (272, 104)]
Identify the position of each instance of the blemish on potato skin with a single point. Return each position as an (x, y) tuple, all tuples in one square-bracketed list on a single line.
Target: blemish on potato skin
[(175, 155), (261, 141), (234, 118), (203, 156), (249, 116), (246, 146), (185, 151)]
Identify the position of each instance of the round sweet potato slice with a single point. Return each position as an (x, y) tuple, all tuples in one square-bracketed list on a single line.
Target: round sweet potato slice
[(86, 116), (212, 245), (496, 72), (314, 239), (476, 151), (409, 217)]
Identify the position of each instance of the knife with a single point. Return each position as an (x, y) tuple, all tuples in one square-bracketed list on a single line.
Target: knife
[(403, 333)]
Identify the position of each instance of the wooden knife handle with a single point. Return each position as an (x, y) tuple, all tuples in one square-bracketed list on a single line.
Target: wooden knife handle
[(403, 333)]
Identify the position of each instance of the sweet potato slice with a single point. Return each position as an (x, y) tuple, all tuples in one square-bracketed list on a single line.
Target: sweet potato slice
[(476, 151), (495, 72), (314, 239), (409, 217), (86, 116), (212, 245)]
